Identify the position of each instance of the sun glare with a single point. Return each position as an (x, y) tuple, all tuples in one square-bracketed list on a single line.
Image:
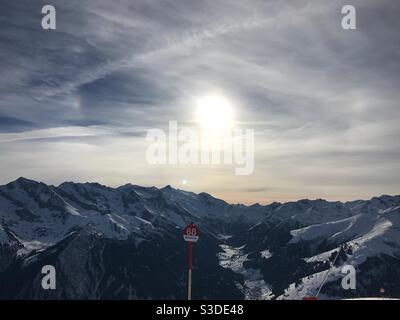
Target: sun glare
[(214, 112)]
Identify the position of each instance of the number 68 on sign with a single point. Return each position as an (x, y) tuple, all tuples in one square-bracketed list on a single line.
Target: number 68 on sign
[(191, 233)]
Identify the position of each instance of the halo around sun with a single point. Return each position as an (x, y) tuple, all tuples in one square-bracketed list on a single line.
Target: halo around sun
[(214, 112)]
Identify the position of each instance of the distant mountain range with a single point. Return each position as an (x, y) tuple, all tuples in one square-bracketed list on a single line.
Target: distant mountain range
[(126, 243)]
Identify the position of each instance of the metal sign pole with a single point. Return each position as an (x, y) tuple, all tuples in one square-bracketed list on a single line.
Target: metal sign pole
[(190, 234), (190, 244)]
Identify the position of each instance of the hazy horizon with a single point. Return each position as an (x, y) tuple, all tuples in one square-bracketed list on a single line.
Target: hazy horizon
[(204, 191)]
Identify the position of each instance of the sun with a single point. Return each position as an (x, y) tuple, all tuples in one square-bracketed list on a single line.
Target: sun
[(214, 112)]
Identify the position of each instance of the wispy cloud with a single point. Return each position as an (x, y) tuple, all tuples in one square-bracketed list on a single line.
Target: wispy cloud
[(323, 101)]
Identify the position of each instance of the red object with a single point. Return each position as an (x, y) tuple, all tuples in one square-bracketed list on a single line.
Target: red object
[(310, 298), (191, 234), (190, 244), (191, 230)]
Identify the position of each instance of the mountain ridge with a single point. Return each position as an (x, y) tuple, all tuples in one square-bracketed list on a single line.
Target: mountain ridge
[(128, 184), (129, 235)]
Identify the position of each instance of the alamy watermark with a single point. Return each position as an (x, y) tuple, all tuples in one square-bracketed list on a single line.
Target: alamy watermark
[(349, 18), (49, 18), (49, 280), (202, 147), (348, 21), (349, 280)]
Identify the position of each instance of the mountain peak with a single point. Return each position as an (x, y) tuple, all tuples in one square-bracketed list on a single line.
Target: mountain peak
[(81, 224), (22, 181)]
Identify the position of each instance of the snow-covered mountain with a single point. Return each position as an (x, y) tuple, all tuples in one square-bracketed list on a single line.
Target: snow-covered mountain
[(126, 243)]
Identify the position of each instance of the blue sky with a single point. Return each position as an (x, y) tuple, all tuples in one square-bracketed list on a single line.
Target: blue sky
[(77, 102)]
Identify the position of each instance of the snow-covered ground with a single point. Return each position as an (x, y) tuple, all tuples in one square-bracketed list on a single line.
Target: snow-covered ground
[(266, 254), (254, 286), (37, 216), (367, 234)]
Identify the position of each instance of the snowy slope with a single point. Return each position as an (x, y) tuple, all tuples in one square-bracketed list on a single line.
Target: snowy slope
[(254, 286), (44, 215), (368, 235), (279, 250)]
